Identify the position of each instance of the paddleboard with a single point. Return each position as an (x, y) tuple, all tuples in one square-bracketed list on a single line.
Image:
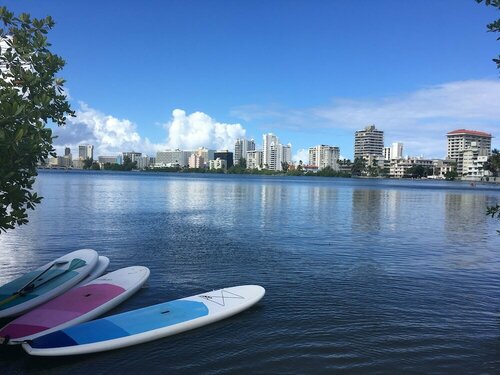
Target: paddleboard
[(77, 305), (98, 270), (46, 282), (146, 324)]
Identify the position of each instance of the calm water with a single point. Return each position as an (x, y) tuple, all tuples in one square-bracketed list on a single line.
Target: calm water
[(362, 276)]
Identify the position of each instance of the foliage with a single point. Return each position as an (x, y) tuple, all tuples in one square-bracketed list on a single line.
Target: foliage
[(493, 163), (30, 97), (284, 166), (87, 163), (418, 171), (494, 26), (494, 211), (450, 175), (242, 163), (358, 167)]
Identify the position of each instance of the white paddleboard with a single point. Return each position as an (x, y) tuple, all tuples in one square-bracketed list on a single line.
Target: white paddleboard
[(46, 282), (146, 324), (77, 305), (98, 270)]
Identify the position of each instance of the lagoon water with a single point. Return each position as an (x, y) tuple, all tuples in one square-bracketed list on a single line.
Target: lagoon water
[(362, 276)]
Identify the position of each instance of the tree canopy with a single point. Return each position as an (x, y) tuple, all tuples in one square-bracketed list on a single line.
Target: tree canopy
[(30, 97), (494, 26)]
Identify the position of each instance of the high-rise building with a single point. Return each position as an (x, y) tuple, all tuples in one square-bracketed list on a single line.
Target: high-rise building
[(67, 151), (397, 150), (241, 147), (224, 155), (269, 151), (274, 153), (368, 141), (323, 156), (86, 152), (460, 140)]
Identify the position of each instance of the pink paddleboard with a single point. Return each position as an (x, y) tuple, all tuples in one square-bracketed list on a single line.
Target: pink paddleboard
[(78, 305)]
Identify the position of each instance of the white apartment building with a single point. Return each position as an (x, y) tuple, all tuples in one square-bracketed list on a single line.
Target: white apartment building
[(461, 139), (241, 147), (441, 167), (399, 167), (170, 158), (254, 159), (269, 151), (217, 164), (132, 155), (323, 156), (86, 152), (473, 160), (274, 153), (368, 141)]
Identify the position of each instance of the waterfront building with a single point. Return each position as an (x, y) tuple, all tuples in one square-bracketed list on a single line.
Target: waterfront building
[(59, 162), (269, 150), (132, 155), (206, 154), (441, 167), (274, 153), (324, 156), (86, 152), (368, 141), (196, 161), (218, 163), (399, 167), (473, 160), (225, 155), (461, 140), (171, 158), (395, 151), (254, 159), (107, 160), (241, 147), (285, 154), (67, 151), (387, 153)]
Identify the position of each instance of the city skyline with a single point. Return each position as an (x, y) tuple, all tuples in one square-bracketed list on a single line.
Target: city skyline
[(308, 73)]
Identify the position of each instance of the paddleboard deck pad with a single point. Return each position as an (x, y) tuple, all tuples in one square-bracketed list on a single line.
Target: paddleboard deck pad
[(46, 282), (77, 305), (146, 324)]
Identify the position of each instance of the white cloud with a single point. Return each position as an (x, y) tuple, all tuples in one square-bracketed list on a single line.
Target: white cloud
[(108, 134), (199, 129), (301, 154), (419, 119), (111, 135)]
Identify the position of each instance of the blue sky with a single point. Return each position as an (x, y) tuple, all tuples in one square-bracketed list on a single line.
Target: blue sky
[(157, 74)]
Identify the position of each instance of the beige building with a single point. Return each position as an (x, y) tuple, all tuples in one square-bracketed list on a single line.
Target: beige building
[(254, 159), (461, 140), (324, 156), (196, 161)]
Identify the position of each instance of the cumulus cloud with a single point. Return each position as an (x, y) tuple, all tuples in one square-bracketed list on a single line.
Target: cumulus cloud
[(108, 134), (111, 135), (419, 119), (199, 129), (301, 154)]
